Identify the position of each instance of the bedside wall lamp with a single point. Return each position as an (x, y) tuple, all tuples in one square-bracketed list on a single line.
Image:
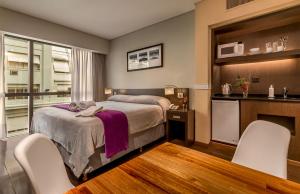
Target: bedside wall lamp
[(169, 91), (107, 91)]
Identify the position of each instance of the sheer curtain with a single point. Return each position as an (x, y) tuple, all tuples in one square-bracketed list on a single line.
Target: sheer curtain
[(2, 96), (82, 75)]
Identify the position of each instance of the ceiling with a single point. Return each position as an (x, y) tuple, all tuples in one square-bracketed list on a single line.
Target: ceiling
[(105, 18)]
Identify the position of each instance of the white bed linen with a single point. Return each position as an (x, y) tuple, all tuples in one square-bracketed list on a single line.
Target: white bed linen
[(80, 136)]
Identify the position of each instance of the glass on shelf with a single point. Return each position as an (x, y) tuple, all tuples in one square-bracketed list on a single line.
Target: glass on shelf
[(275, 45), (280, 46), (284, 42), (269, 47)]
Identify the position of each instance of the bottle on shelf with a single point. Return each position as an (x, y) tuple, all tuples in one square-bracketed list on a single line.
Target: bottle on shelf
[(271, 91)]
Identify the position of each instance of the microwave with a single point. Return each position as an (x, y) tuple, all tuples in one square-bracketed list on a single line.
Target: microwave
[(230, 50)]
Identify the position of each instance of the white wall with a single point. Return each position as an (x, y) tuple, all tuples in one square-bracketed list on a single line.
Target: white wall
[(177, 35), (18, 23)]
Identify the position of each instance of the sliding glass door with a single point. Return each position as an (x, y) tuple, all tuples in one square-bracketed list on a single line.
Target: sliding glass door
[(16, 73), (52, 77), (37, 75)]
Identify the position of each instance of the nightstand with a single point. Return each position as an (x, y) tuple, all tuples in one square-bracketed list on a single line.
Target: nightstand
[(181, 125)]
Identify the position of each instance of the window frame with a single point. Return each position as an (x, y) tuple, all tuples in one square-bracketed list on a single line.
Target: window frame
[(31, 93)]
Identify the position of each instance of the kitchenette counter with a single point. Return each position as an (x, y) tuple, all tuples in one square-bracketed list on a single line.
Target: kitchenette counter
[(228, 128), (259, 97)]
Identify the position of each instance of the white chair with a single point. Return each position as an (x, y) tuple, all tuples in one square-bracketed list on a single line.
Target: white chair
[(264, 147), (43, 164)]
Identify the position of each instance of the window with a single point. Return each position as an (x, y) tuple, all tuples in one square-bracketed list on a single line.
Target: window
[(51, 74), (64, 88), (61, 66), (36, 89), (11, 90), (17, 57), (36, 62), (17, 65), (21, 90), (19, 61), (13, 72)]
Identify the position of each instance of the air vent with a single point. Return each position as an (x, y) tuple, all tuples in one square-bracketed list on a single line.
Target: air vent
[(234, 3)]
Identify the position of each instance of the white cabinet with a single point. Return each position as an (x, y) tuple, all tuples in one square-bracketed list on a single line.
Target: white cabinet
[(225, 121)]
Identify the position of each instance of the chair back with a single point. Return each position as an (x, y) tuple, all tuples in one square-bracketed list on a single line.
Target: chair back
[(42, 162), (264, 147)]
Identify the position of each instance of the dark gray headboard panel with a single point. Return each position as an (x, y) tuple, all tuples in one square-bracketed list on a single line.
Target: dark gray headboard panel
[(156, 92), (153, 91)]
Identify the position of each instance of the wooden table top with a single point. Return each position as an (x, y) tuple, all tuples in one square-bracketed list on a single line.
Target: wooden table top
[(170, 168)]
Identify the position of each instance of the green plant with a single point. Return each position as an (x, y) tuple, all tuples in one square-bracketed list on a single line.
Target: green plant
[(242, 83)]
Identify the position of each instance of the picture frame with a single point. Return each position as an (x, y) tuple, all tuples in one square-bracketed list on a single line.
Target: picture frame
[(145, 58)]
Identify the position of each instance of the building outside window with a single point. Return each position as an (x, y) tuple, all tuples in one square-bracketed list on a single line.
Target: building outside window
[(51, 66)]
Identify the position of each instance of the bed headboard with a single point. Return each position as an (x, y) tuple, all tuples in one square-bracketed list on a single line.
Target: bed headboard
[(157, 92)]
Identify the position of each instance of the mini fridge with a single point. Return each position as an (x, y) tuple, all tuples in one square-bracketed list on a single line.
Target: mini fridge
[(226, 121)]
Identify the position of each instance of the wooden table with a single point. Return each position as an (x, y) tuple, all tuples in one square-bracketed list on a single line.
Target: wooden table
[(170, 168)]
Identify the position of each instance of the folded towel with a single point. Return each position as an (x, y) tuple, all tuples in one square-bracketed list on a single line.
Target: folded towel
[(82, 105), (74, 107), (89, 112), (86, 104)]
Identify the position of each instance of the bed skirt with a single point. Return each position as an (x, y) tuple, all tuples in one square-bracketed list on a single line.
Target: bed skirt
[(136, 141)]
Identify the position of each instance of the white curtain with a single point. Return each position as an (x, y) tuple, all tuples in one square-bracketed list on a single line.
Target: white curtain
[(82, 75), (2, 92)]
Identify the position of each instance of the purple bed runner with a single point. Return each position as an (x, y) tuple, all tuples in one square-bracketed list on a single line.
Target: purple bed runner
[(115, 129)]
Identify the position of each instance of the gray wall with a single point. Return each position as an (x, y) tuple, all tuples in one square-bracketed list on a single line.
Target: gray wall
[(177, 35), (14, 22)]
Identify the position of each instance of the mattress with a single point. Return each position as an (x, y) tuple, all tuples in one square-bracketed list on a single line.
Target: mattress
[(80, 137)]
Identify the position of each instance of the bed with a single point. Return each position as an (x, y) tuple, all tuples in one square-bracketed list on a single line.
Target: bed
[(81, 139)]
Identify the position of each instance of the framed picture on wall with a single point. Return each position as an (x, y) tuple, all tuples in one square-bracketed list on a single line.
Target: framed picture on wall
[(145, 58)]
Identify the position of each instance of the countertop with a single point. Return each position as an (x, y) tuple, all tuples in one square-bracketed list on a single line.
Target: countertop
[(260, 97)]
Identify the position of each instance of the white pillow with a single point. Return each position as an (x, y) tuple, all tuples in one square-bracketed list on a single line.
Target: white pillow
[(142, 99)]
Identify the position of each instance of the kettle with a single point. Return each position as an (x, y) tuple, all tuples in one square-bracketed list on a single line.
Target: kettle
[(226, 89)]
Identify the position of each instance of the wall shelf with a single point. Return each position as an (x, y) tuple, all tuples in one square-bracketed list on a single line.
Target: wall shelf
[(255, 33), (259, 57)]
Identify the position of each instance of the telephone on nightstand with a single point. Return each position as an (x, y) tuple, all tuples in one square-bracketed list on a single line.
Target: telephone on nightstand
[(173, 107)]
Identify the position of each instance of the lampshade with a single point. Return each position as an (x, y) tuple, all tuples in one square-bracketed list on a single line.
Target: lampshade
[(107, 91), (169, 91)]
